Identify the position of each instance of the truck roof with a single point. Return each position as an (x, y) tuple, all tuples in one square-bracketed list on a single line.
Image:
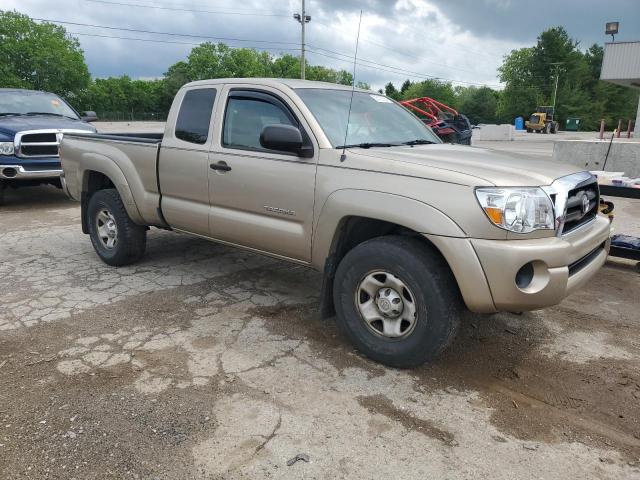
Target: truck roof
[(289, 82)]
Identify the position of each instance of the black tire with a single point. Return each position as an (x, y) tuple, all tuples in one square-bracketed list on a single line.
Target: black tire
[(438, 303), (529, 130), (131, 239)]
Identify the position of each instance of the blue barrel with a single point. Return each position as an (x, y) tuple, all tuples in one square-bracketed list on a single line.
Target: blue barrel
[(519, 123)]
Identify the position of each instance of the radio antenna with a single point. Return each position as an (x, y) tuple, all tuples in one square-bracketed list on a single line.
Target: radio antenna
[(343, 156)]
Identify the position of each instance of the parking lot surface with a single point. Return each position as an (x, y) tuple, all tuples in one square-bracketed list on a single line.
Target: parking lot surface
[(207, 362)]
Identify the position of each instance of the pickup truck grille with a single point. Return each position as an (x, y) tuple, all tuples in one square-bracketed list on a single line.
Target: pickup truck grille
[(575, 201), (38, 143), (582, 206)]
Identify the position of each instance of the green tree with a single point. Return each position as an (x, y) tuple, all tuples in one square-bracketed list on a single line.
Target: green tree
[(530, 77), (479, 104), (40, 56), (286, 66), (521, 94), (391, 91), (436, 89), (209, 60), (325, 74), (175, 77), (405, 86), (122, 97)]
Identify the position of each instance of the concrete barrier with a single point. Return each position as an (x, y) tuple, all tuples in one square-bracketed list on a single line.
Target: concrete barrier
[(624, 156), (500, 133)]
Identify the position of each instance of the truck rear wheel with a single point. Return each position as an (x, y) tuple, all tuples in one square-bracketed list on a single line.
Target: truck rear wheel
[(397, 301), (116, 239)]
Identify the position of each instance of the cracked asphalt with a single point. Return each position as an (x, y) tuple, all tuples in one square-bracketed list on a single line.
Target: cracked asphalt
[(207, 362)]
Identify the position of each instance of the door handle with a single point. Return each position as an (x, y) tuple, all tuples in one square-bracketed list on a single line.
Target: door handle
[(220, 166)]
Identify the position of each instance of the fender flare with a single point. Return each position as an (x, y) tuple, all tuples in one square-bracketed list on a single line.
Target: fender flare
[(407, 212), (93, 162)]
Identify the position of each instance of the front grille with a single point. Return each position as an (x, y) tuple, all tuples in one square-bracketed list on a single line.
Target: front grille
[(39, 137), (582, 206), (39, 150), (38, 144)]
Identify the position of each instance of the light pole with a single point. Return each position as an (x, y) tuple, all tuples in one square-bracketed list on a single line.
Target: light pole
[(303, 19)]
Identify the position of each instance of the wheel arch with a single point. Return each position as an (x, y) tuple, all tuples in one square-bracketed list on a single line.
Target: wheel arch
[(351, 217), (102, 174)]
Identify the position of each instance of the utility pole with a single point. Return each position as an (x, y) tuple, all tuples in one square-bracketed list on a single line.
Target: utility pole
[(555, 90), (302, 19)]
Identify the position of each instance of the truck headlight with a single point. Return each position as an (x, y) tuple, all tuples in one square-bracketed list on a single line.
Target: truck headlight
[(520, 210), (6, 148)]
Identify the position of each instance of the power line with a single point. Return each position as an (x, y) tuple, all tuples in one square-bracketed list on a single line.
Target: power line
[(280, 15), (400, 51), (179, 9), (434, 63), (397, 70), (373, 66), (175, 42), (349, 59), (153, 32), (363, 62), (159, 7), (202, 4)]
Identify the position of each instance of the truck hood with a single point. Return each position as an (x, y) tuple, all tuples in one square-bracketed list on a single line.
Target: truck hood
[(11, 125), (481, 166)]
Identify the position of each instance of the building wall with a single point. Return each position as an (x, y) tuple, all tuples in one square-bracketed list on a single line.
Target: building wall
[(621, 63)]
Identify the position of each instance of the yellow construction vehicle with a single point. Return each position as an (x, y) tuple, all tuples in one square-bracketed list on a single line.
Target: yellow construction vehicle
[(542, 121)]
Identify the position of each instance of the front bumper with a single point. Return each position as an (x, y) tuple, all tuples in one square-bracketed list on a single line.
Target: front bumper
[(19, 172), (486, 270)]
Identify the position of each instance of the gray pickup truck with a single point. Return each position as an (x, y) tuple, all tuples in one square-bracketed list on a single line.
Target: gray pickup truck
[(407, 231)]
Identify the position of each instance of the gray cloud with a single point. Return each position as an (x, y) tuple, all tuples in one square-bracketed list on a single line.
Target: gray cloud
[(462, 40), (522, 21)]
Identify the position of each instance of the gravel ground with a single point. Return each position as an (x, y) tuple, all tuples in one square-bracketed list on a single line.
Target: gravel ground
[(207, 362)]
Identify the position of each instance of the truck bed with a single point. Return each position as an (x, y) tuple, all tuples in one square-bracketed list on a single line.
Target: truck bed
[(131, 166)]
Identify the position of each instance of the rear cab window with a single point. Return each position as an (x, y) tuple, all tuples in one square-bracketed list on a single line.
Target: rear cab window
[(194, 116)]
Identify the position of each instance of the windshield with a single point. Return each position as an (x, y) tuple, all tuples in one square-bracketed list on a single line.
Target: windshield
[(25, 102), (374, 120)]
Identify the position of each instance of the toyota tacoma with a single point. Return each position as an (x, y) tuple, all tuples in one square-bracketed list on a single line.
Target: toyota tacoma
[(407, 231)]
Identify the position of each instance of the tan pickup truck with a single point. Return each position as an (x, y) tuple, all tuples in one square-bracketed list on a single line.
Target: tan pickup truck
[(407, 231)]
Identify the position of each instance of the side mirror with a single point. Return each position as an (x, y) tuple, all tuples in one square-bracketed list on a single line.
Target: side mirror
[(88, 116), (285, 138)]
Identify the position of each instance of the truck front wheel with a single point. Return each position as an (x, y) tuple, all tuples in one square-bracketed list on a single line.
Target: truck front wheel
[(397, 301), (116, 239)]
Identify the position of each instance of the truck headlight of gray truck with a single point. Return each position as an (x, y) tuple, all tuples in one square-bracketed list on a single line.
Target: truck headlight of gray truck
[(520, 210)]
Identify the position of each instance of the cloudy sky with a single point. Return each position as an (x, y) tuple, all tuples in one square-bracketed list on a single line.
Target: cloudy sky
[(458, 40)]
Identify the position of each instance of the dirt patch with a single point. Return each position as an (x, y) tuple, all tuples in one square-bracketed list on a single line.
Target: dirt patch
[(303, 322), (93, 424), (379, 404), (544, 398), (534, 397)]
